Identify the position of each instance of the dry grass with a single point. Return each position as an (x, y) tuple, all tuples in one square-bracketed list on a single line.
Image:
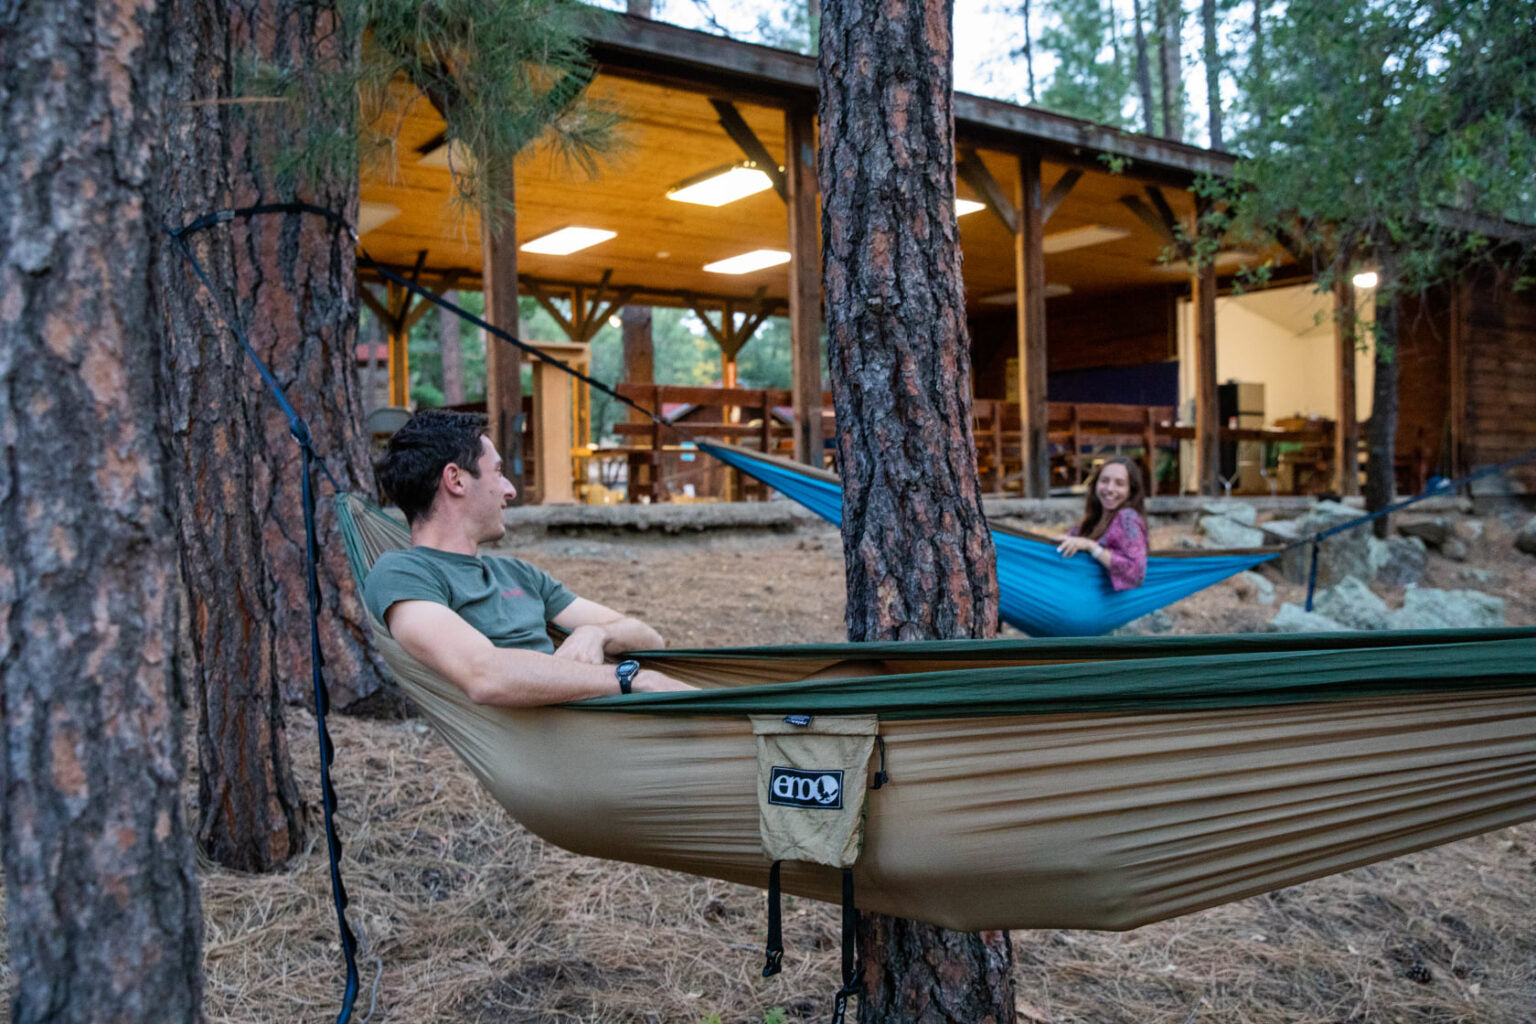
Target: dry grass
[(467, 919)]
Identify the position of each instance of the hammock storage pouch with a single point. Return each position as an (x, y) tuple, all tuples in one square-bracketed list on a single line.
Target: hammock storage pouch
[(812, 775), (812, 779)]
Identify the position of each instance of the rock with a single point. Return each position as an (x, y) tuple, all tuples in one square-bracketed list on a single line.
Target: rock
[(1455, 549), (1221, 532), (1250, 584), (1431, 531), (1400, 561), (1295, 619), (1525, 540), (1447, 609), (1351, 604), (1149, 624), (1343, 554), (1469, 531), (1239, 512), (1482, 577), (1186, 541)]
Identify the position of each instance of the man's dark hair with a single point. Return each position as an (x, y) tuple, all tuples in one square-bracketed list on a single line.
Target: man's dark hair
[(412, 464)]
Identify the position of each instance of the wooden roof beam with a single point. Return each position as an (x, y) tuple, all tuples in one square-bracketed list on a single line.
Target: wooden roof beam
[(975, 174), (1145, 214), (742, 134), (1058, 192)]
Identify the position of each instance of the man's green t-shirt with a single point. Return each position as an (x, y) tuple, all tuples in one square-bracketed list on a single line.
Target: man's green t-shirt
[(505, 598)]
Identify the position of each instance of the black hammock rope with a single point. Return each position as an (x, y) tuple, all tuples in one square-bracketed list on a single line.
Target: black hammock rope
[(299, 429)]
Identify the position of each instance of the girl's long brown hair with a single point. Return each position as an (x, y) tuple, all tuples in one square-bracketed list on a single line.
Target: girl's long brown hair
[(1094, 521)]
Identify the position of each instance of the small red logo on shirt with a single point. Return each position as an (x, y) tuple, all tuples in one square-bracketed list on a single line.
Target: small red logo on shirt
[(514, 592)]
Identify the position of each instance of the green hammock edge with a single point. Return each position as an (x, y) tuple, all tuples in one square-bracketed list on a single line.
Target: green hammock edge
[(1171, 673)]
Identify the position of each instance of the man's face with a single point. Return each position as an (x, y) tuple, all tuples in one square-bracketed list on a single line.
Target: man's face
[(489, 493)]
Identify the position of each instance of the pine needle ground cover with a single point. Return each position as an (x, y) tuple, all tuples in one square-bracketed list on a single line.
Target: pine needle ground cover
[(465, 918)]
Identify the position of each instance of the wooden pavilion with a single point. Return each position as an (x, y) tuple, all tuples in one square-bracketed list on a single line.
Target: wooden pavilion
[(1061, 209)]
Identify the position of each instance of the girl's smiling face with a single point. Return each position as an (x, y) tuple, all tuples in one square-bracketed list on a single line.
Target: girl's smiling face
[(1114, 486)]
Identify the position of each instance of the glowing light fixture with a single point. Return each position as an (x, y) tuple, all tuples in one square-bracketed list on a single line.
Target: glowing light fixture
[(747, 262), (372, 215), (566, 241), (1366, 279), (721, 185), (1077, 238), (965, 206)]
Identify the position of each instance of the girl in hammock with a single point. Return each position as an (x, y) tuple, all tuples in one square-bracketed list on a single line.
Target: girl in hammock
[(1114, 526)]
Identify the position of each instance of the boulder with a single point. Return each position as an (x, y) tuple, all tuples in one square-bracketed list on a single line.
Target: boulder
[(1295, 619), (1400, 561), (1221, 532), (1341, 555), (1525, 540), (1455, 549), (1238, 511), (1252, 585), (1447, 609), (1469, 531), (1432, 531), (1149, 624), (1351, 604)]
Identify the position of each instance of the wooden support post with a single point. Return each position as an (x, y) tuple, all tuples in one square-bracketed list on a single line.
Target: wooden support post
[(1346, 434), (639, 352), (1029, 287), (503, 362), (399, 351), (1149, 445), (804, 285), (1207, 427)]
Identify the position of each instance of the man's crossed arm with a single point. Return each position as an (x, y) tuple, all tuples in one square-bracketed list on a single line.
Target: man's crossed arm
[(439, 638)]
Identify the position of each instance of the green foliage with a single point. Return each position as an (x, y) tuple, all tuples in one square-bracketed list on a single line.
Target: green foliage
[(777, 1015), (1092, 78), (504, 74), (1394, 126)]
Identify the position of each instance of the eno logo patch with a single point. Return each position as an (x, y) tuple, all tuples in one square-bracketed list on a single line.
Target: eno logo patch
[(792, 787)]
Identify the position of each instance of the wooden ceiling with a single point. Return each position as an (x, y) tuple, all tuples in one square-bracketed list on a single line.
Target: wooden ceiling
[(672, 133)]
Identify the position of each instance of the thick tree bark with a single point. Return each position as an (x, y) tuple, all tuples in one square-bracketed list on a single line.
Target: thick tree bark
[(1143, 72), (920, 562), (1212, 71), (102, 902), (1170, 27), (452, 352), (297, 287), (1381, 430), (639, 347), (249, 814)]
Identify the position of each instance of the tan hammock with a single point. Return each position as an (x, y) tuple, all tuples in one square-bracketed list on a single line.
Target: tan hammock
[(1036, 784)]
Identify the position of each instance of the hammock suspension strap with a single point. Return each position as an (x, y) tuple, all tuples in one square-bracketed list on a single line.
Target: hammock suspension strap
[(299, 429), (775, 948), (853, 973)]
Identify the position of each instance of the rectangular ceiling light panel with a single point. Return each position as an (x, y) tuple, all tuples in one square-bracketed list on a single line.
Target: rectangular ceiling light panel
[(721, 186), (747, 262), (1077, 238), (566, 241)]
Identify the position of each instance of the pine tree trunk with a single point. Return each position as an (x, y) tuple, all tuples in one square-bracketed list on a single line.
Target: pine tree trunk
[(102, 910), (1381, 430), (919, 557), (452, 352), (249, 814), (1170, 26), (1212, 71), (1029, 51), (297, 288), (639, 349), (1257, 77), (1143, 72)]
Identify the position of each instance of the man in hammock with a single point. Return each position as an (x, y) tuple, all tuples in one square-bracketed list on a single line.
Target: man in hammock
[(480, 621)]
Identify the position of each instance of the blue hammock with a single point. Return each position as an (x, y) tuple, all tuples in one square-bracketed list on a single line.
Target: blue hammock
[(1039, 591)]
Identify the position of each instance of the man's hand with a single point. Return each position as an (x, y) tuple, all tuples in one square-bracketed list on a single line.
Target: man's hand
[(584, 644), (650, 681)]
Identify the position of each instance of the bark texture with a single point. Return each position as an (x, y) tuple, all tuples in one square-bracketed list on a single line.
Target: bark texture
[(1143, 72), (1381, 430), (1170, 29), (1212, 71), (920, 563), (249, 813), (102, 902), (295, 279), (448, 328)]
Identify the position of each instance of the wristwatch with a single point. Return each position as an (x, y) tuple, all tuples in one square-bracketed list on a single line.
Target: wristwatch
[(626, 671)]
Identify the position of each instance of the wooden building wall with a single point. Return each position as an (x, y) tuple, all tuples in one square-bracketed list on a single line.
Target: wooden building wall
[(1424, 379), (1496, 338)]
